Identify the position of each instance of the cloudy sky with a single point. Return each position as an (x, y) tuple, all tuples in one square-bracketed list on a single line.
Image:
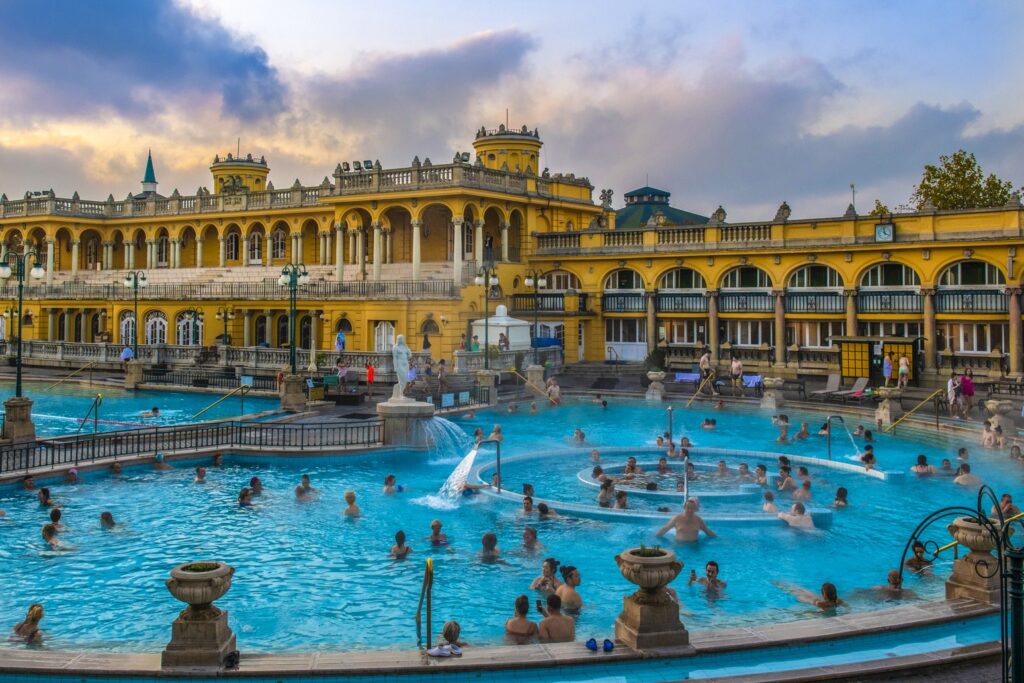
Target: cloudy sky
[(743, 104)]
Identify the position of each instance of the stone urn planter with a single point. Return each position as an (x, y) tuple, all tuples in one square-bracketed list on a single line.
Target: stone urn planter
[(200, 636), (1000, 415), (975, 574), (772, 397), (889, 409), (649, 617), (656, 390)]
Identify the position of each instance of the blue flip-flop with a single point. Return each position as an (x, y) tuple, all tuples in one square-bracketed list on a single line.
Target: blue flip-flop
[(592, 645), (608, 645)]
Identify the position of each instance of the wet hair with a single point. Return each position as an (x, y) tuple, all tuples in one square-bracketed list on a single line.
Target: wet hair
[(44, 492), (961, 451), (917, 544), (244, 493), (55, 515), (711, 563), (769, 496), (965, 469), (567, 570), (451, 631), (828, 590), (761, 468), (49, 531), (543, 509), (253, 481), (598, 471), (783, 461), (799, 507), (553, 562), (618, 494), (389, 479), (530, 530), (554, 602), (489, 540), (684, 452), (651, 486), (841, 493), (522, 605), (400, 537), (106, 517), (604, 404), (922, 459), (802, 470), (786, 469), (528, 498), (527, 489)]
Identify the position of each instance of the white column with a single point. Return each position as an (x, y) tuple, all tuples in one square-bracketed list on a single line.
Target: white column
[(504, 242), (329, 251), (378, 244), (387, 245), (127, 255), (322, 256), (267, 250), (416, 229), (247, 328), (199, 254), (478, 243), (457, 250), (314, 333), (298, 249), (352, 247), (223, 252), (74, 259), (360, 250), (151, 254), (49, 264), (339, 253), (174, 245), (245, 250)]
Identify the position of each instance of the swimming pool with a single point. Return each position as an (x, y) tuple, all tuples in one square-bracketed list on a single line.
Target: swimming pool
[(59, 411), (308, 579)]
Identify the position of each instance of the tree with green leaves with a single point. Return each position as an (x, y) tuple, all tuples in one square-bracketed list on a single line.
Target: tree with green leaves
[(958, 182), (880, 209)]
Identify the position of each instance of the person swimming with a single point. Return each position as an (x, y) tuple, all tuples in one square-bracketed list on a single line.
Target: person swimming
[(352, 510), (709, 424), (107, 520), (436, 538), (256, 485), (158, 462), (43, 494), (578, 436), (151, 413), (827, 601), (55, 515), (571, 599), (547, 583), (710, 579), (245, 497), (400, 550), (50, 536), (27, 630), (200, 475), (544, 512), (489, 547)]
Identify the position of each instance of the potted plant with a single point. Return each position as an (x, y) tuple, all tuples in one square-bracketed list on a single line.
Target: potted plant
[(649, 568), (654, 367)]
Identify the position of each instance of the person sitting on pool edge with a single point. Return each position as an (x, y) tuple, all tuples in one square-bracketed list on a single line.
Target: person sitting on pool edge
[(687, 524), (710, 579), (27, 630), (555, 627), (797, 517), (400, 550), (519, 630), (152, 412)]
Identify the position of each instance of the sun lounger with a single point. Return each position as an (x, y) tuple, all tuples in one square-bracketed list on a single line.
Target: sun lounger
[(855, 392), (831, 386)]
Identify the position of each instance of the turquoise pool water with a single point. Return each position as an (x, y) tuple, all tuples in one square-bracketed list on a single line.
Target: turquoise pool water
[(58, 411), (308, 578)]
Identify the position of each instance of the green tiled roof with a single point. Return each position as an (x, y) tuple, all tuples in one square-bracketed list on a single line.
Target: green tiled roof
[(150, 176), (636, 214)]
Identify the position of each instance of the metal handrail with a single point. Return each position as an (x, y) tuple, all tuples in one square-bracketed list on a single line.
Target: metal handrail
[(914, 409), (61, 381), (425, 592), (700, 387), (532, 385), (95, 405), (244, 389)]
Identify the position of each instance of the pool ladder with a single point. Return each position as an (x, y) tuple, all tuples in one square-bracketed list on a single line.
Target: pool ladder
[(425, 592), (94, 410), (241, 390)]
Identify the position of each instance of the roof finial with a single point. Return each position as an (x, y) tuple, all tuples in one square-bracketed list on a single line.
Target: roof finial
[(150, 176)]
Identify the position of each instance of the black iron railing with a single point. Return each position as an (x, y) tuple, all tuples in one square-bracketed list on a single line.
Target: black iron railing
[(680, 302), (472, 396), (199, 378), (623, 303), (889, 302), (746, 302), (72, 450), (815, 302), (970, 301)]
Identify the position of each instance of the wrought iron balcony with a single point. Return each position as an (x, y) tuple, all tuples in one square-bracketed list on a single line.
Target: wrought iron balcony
[(970, 301), (889, 302), (623, 303), (815, 302), (680, 302), (745, 302)]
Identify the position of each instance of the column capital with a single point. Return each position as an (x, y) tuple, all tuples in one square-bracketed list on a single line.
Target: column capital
[(928, 291), (1013, 291), (505, 225), (50, 240), (458, 220), (712, 293), (777, 293), (478, 223), (417, 223), (852, 291)]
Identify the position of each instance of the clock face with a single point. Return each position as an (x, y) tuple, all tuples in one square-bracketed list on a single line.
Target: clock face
[(883, 232)]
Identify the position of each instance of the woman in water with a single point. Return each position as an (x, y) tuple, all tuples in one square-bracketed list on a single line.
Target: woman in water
[(489, 551), (547, 582), (43, 494), (478, 435), (620, 500), (520, 630), (827, 601), (571, 599), (400, 550), (922, 466), (245, 497), (256, 485), (663, 467), (436, 537), (107, 520), (841, 501), (769, 503), (606, 496), (761, 475), (27, 630)]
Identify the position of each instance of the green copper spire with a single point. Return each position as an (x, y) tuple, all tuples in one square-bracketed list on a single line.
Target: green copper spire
[(150, 174)]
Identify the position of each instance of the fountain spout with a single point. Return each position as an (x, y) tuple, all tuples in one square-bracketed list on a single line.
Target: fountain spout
[(828, 436)]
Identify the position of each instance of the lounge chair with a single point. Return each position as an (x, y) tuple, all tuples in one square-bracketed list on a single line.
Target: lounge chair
[(831, 386), (854, 392)]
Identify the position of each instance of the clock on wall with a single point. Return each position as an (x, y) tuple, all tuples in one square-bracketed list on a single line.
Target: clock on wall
[(884, 232)]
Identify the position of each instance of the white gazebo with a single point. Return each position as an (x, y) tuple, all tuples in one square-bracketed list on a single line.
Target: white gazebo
[(517, 331)]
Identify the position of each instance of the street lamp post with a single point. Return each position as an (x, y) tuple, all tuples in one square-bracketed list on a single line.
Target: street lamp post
[(135, 279), (37, 273), (292, 277), (224, 314), (536, 280), (487, 276)]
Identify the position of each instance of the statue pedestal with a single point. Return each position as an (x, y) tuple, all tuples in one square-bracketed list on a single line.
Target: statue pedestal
[(999, 411), (889, 410), (401, 415), (18, 425), (656, 390), (649, 617), (976, 574), (489, 379), (292, 393), (200, 636), (772, 398), (132, 374), (535, 375)]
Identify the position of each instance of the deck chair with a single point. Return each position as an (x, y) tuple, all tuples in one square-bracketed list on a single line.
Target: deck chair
[(831, 386), (854, 392)]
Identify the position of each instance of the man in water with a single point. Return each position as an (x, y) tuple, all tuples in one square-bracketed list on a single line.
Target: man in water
[(304, 492), (352, 510), (710, 579), (965, 478), (1005, 506), (200, 475), (530, 541), (436, 537), (158, 462), (918, 562), (688, 524), (556, 627), (797, 517), (152, 412)]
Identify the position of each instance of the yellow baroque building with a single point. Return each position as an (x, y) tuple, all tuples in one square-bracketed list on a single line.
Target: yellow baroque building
[(396, 251)]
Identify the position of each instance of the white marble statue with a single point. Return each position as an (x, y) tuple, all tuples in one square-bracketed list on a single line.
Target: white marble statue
[(401, 354)]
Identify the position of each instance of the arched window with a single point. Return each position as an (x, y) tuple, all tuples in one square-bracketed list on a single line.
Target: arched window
[(189, 326), (890, 275), (156, 328), (624, 279), (971, 274), (344, 325), (429, 326), (560, 280), (277, 243), (384, 336), (305, 332), (682, 278), (283, 328), (127, 327), (261, 331), (255, 248), (746, 277), (231, 247), (815, 277)]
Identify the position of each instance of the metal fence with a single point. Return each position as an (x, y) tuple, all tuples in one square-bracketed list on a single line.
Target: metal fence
[(84, 448), (199, 378)]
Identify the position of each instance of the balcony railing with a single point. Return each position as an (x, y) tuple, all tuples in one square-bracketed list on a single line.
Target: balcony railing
[(547, 303), (318, 290), (566, 242), (745, 302), (889, 302), (680, 302), (970, 301), (623, 303), (468, 361), (815, 302)]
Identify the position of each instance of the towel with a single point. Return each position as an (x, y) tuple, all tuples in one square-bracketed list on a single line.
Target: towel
[(752, 381), (687, 377)]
